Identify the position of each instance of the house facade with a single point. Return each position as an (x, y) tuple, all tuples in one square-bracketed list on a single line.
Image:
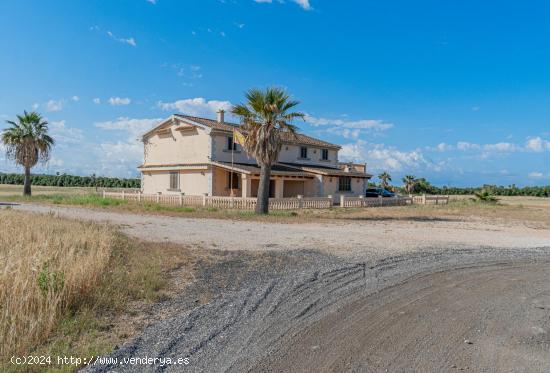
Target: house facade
[(197, 156)]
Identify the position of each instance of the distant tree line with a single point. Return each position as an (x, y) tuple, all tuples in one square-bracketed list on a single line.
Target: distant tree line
[(65, 180), (412, 184), (423, 186)]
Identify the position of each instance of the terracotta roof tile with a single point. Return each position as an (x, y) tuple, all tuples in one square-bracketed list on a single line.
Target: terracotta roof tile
[(329, 171), (288, 138), (276, 169)]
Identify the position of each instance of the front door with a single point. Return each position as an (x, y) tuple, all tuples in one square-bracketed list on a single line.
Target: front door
[(271, 188)]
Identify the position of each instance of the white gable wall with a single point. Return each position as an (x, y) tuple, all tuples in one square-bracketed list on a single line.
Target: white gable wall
[(189, 146)]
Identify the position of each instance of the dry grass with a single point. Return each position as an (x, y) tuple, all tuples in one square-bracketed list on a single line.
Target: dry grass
[(71, 288), (7, 190), (529, 210), (525, 209), (47, 266)]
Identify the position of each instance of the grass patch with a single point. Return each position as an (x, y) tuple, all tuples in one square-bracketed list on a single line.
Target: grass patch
[(90, 199), (532, 209), (49, 265), (70, 288), (70, 199)]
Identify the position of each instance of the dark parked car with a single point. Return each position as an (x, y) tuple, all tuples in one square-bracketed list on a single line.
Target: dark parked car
[(375, 192)]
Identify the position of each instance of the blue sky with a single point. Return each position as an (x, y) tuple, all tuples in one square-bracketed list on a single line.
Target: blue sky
[(454, 91)]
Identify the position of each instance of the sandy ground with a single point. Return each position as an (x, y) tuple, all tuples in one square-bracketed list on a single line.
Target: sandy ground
[(357, 239), (410, 313), (427, 295), (433, 323)]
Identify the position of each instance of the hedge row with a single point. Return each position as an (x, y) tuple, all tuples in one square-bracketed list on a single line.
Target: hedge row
[(424, 186), (71, 181)]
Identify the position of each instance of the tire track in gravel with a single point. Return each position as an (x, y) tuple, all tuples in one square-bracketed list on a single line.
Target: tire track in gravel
[(258, 326)]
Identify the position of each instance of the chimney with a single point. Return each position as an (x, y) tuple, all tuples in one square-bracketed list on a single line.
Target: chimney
[(220, 115)]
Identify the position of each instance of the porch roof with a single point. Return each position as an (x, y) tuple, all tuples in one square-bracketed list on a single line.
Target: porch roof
[(172, 166), (328, 171), (251, 169)]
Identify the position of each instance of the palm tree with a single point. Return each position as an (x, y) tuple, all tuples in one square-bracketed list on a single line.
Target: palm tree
[(27, 142), (264, 116), (410, 182), (484, 195), (385, 179)]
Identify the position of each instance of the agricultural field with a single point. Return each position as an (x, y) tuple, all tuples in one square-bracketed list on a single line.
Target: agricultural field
[(82, 275)]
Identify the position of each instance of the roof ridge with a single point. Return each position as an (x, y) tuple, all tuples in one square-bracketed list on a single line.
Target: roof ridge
[(209, 119), (305, 139)]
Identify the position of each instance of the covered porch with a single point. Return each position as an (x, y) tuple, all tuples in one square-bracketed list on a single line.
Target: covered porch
[(242, 180)]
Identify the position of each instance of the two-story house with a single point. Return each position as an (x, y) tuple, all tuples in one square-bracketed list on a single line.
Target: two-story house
[(197, 156)]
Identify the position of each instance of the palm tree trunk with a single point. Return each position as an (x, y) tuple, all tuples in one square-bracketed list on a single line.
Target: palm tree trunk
[(262, 204), (27, 184)]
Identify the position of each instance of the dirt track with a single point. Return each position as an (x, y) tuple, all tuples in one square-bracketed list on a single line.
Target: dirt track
[(410, 313), (356, 240), (401, 299), (422, 324)]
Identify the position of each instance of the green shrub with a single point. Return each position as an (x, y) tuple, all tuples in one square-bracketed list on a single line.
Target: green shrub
[(50, 281)]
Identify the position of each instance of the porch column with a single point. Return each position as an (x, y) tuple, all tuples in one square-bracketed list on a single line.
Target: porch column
[(246, 185), (279, 185)]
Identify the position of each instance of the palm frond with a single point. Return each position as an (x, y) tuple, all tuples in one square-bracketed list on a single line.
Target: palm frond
[(27, 140), (264, 116)]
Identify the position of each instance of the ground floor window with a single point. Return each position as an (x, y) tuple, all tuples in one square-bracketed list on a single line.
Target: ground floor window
[(174, 180), (232, 180), (344, 184)]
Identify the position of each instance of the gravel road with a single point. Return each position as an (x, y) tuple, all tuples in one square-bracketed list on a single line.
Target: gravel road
[(357, 240), (429, 296), (407, 313)]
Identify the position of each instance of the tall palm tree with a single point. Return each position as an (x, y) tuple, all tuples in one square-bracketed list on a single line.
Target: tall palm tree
[(410, 182), (385, 179), (264, 116), (27, 142)]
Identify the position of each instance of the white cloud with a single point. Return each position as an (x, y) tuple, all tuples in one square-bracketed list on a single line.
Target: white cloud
[(130, 41), (191, 72), (195, 106), (504, 147), (303, 3), (464, 146), (133, 126), (381, 157), (121, 157), (354, 134), (118, 101), (441, 147), (365, 124), (63, 134), (54, 105), (152, 1), (537, 144), (536, 175), (97, 101), (75, 98)]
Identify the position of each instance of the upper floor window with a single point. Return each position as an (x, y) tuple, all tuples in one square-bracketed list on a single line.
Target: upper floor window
[(231, 145), (324, 154), (174, 180), (344, 183), (303, 152)]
